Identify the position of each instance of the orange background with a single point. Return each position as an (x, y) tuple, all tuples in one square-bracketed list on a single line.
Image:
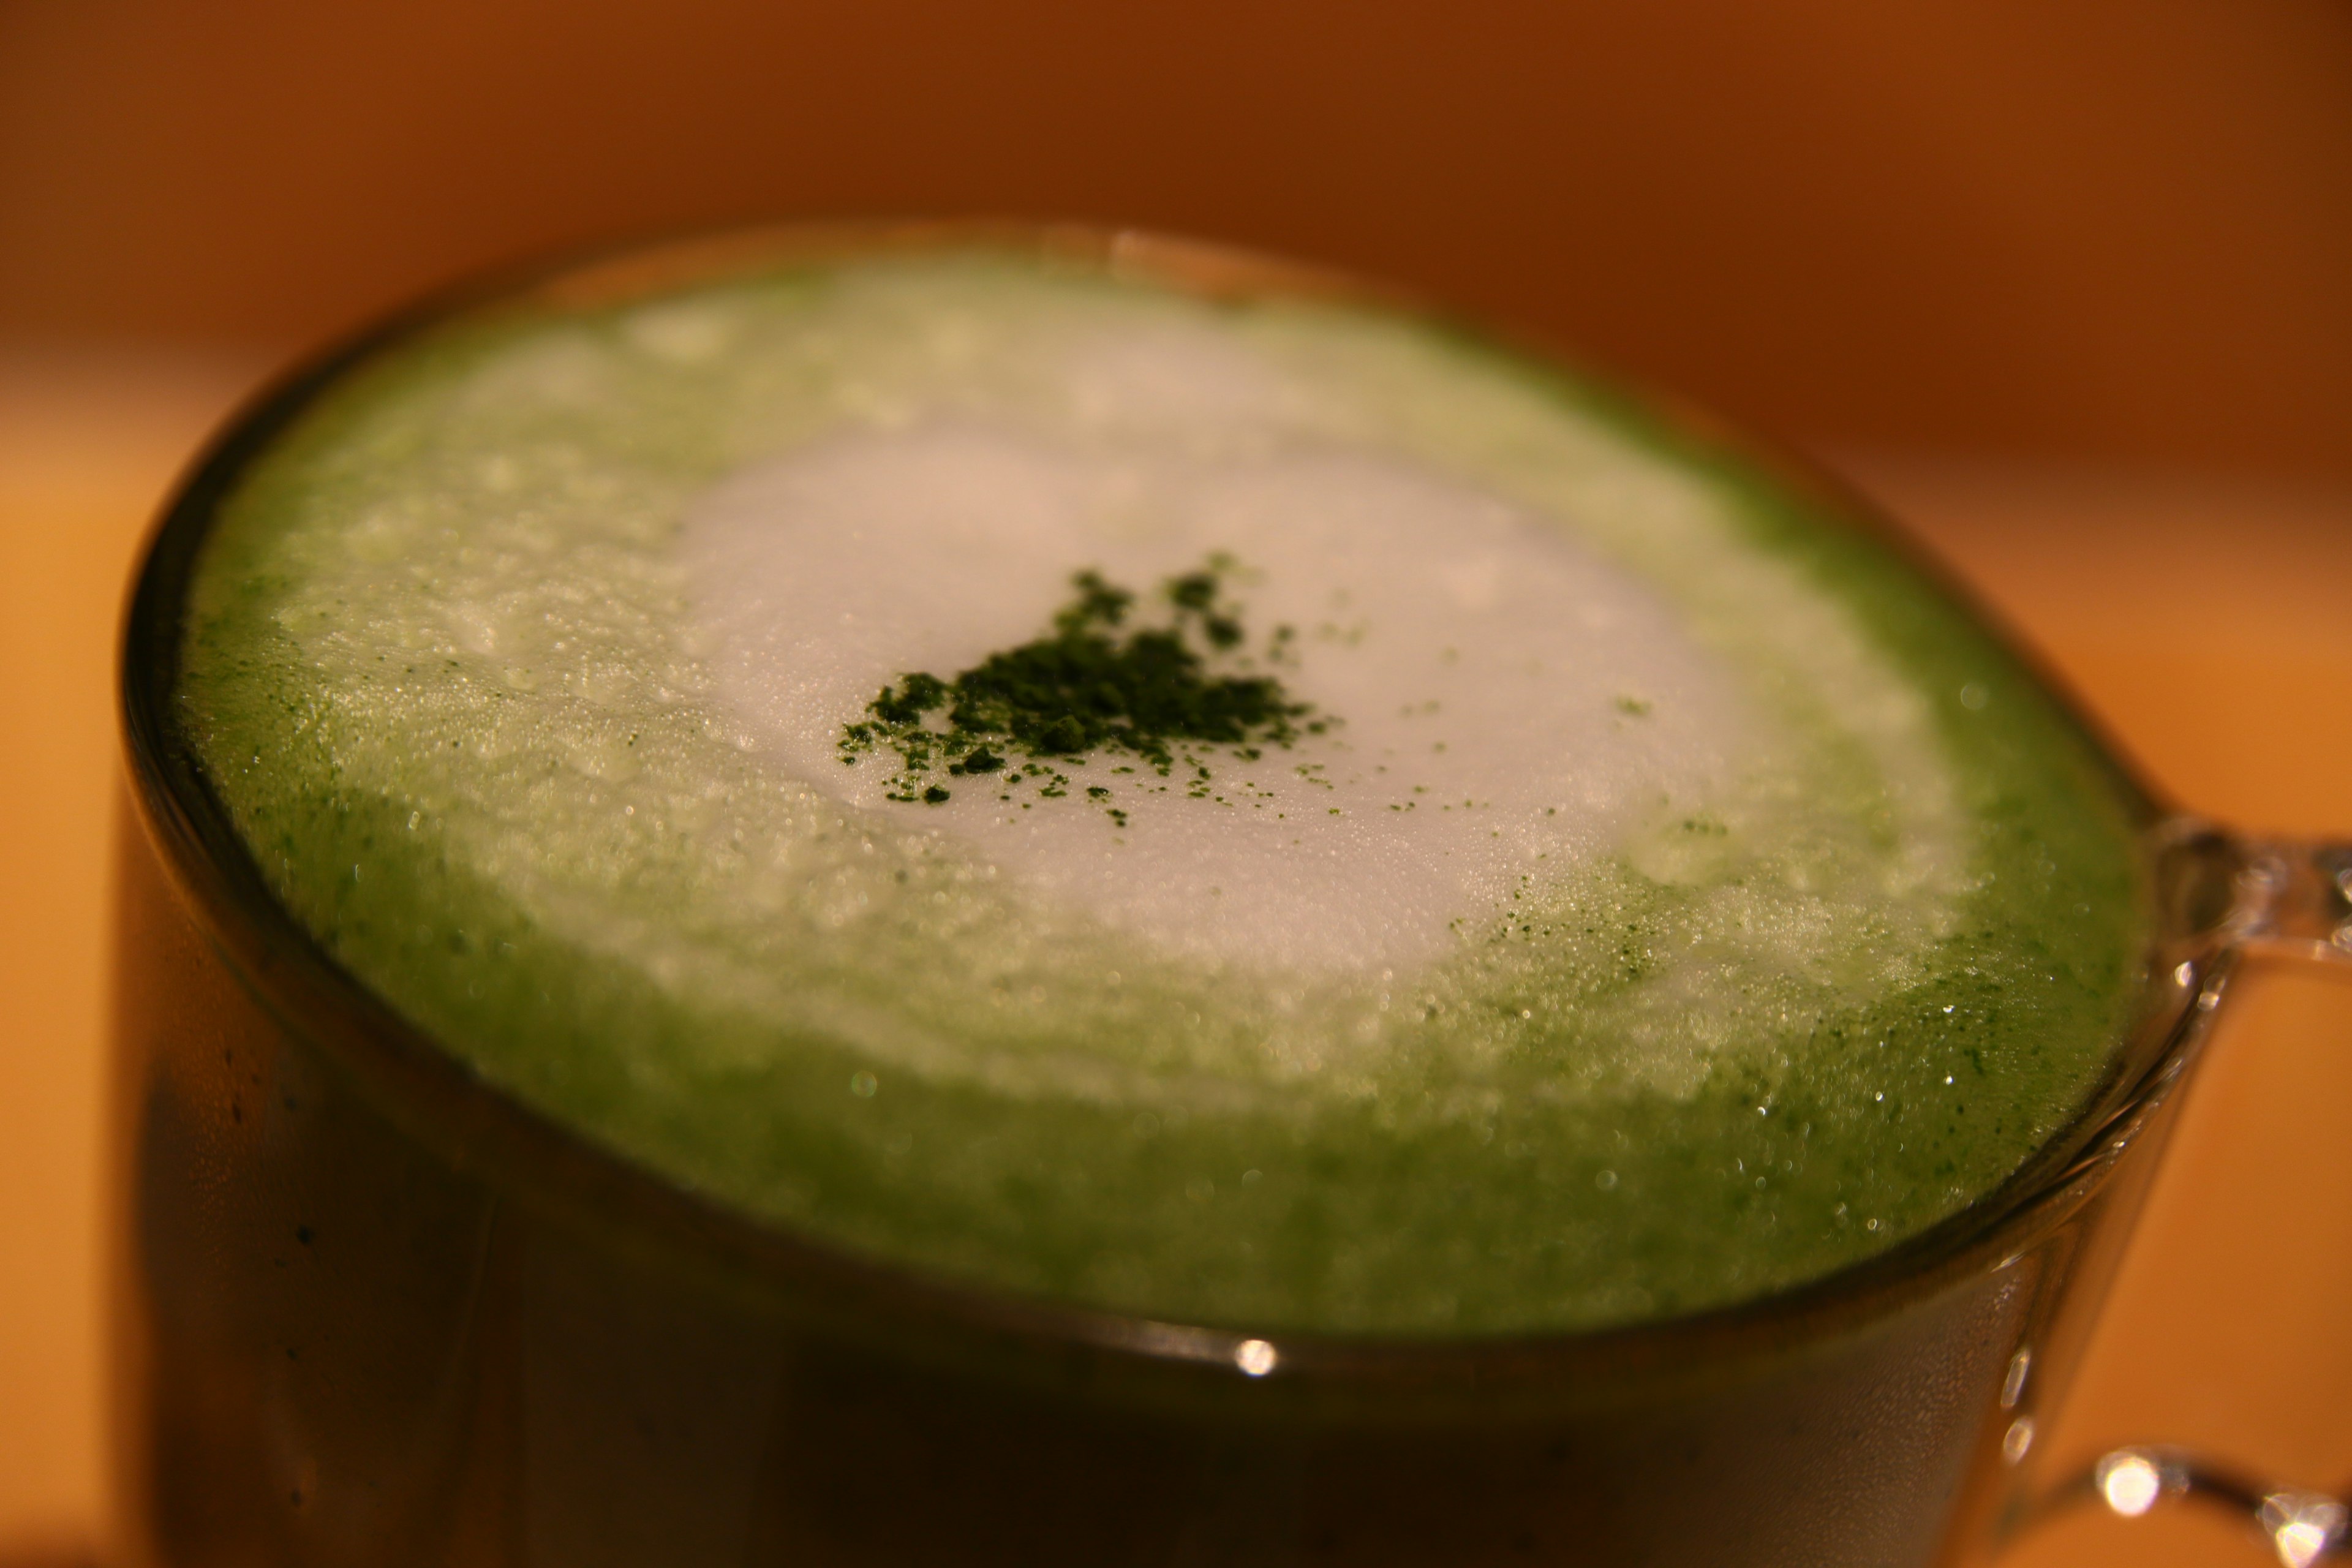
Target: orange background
[(2068, 283), (2111, 226)]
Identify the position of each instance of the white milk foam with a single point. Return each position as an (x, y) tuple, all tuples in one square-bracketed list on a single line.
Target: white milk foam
[(1510, 704)]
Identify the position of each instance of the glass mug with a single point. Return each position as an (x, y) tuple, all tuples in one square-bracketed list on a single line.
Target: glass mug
[(371, 1311)]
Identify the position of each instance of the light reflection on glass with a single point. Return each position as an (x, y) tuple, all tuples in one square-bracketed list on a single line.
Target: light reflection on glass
[(2130, 1481), (2303, 1526), (1255, 1357), (2012, 1385)]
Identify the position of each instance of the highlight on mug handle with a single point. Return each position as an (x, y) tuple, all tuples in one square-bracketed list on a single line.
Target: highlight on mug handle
[(2289, 898)]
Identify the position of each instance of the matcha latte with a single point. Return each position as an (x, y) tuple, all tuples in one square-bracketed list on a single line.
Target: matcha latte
[(1263, 813)]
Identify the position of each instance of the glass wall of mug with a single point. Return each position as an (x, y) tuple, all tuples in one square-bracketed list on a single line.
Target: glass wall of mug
[(371, 1311), (371, 1315)]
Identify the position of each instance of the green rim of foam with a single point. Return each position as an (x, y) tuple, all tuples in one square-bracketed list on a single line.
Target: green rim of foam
[(443, 669)]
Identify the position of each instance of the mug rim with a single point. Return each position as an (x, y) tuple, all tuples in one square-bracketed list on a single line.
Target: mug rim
[(478, 1124)]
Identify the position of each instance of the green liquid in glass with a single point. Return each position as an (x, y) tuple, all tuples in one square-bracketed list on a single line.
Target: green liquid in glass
[(451, 665)]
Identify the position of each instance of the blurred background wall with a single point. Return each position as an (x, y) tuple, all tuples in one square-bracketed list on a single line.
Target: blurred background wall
[(2115, 228)]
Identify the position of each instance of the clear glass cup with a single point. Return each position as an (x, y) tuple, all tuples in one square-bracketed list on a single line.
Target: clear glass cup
[(372, 1311)]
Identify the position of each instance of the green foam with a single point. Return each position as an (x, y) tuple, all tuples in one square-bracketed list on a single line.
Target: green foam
[(545, 840)]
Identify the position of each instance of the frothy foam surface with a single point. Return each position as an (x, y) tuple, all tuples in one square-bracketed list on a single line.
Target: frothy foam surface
[(1505, 700), (1684, 900)]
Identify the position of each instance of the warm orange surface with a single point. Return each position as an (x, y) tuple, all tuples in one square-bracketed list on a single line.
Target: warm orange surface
[(2207, 623)]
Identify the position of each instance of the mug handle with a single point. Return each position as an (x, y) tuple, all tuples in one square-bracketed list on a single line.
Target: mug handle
[(2292, 899)]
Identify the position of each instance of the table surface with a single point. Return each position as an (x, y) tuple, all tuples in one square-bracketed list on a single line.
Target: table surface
[(2207, 623)]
